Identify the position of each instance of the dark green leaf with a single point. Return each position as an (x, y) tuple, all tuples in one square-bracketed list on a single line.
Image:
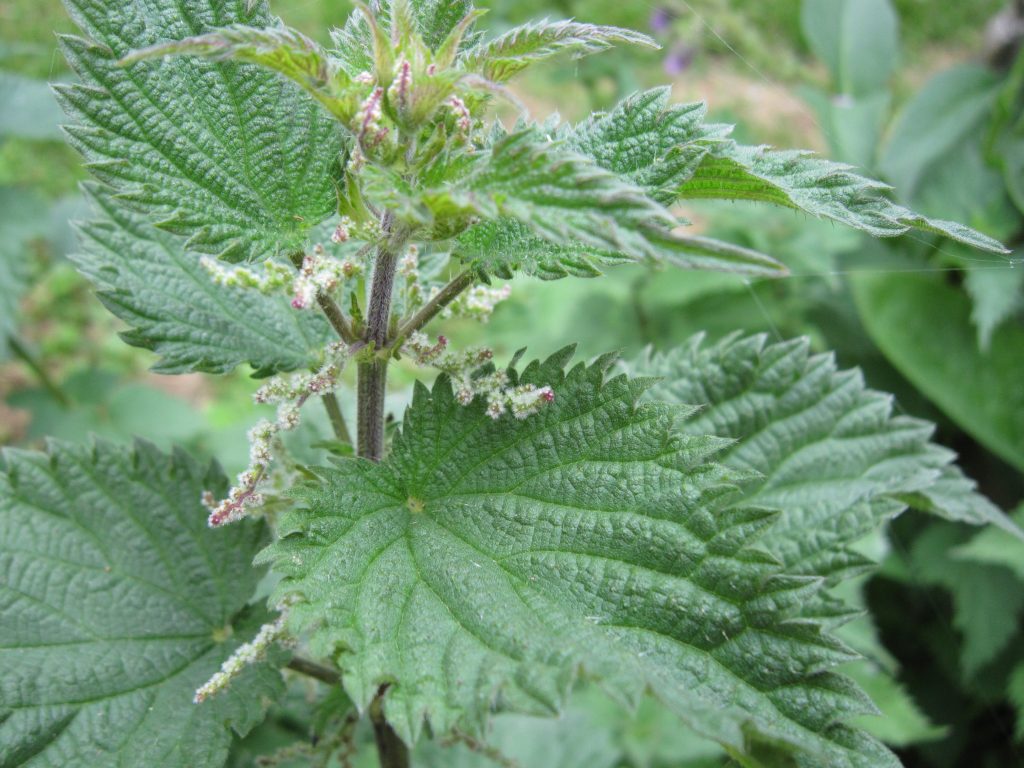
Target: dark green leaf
[(226, 153), (923, 326), (148, 279), (118, 603), (483, 563)]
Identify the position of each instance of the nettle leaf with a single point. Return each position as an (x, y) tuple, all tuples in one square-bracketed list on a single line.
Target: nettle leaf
[(796, 179), (648, 140), (281, 49), (527, 185), (484, 563), (148, 279), (118, 603), (829, 453), (674, 155), (988, 600), (434, 20), (502, 58), (228, 154)]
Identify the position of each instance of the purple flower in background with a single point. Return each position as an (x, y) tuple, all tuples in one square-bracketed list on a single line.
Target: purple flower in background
[(679, 59), (661, 19)]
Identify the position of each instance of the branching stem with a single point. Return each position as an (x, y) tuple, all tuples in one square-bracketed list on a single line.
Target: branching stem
[(312, 669), (336, 318), (373, 372), (430, 310), (337, 418)]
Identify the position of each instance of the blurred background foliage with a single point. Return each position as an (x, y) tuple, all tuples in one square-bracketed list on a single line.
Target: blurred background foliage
[(926, 94)]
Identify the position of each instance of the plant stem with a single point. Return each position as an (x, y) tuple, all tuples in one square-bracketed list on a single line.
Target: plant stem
[(430, 310), (331, 309), (373, 372), (337, 418), (391, 750), (312, 669), (336, 318)]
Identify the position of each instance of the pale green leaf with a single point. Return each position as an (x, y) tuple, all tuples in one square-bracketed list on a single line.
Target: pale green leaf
[(434, 20), (172, 306), (506, 246), (994, 547), (952, 106), (857, 39), (922, 325), (281, 49), (996, 296), (484, 563), (226, 153), (829, 453), (796, 179), (673, 155), (567, 200), (500, 59), (118, 603), (988, 600)]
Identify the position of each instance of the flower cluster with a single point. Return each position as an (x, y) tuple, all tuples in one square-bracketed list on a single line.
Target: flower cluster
[(244, 655), (463, 118), (319, 273), (273, 277), (521, 401), (478, 303), (290, 393)]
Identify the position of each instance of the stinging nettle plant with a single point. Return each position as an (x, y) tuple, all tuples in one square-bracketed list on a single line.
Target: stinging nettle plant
[(669, 526)]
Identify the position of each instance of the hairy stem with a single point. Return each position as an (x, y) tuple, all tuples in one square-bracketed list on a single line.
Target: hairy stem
[(312, 669), (337, 418), (330, 309), (336, 318), (430, 310), (373, 372)]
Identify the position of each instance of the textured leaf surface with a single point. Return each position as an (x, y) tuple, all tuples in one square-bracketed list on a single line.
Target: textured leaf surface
[(434, 20), (114, 593), (830, 454), (147, 278), (647, 139), (228, 154), (281, 49), (923, 327), (670, 150), (527, 184), (483, 563), (797, 179), (503, 57)]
